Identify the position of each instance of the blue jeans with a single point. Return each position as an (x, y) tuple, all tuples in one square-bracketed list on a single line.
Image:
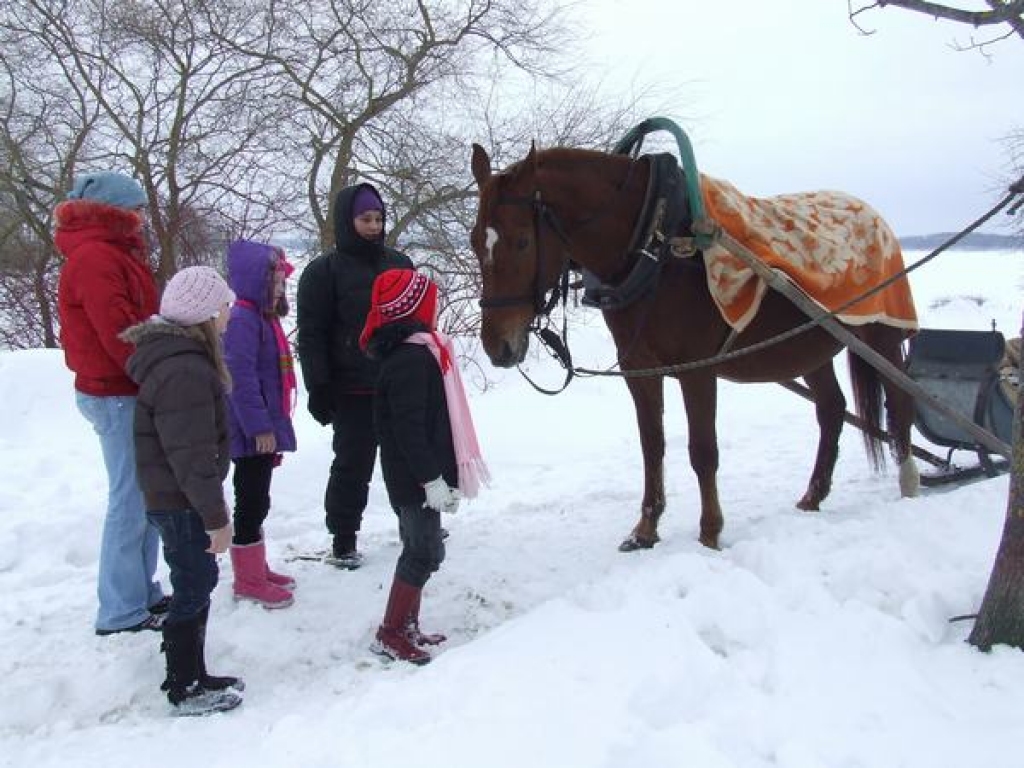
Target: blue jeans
[(194, 571), (130, 546)]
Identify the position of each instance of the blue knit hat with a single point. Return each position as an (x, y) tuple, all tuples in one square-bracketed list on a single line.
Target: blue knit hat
[(110, 188)]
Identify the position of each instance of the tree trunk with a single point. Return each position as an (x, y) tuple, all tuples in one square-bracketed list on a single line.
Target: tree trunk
[(1001, 616)]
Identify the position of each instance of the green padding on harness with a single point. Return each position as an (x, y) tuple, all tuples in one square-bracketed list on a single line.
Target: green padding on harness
[(635, 138)]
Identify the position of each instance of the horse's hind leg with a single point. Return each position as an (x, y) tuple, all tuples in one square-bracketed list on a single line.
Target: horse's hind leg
[(829, 407), (899, 418), (649, 402)]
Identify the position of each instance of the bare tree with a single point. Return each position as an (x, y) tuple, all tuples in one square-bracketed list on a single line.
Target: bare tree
[(245, 117), (1001, 12), (1000, 619), (395, 94), (44, 130), (194, 122)]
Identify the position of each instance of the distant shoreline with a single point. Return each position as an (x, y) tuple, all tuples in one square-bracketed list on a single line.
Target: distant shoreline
[(976, 241)]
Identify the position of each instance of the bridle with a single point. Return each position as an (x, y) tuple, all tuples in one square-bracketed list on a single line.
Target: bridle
[(542, 214), (557, 344), (543, 304)]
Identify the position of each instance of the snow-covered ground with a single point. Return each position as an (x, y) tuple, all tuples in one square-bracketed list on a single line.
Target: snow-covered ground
[(809, 640)]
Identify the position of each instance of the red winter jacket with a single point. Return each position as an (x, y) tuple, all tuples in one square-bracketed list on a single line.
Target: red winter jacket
[(105, 286)]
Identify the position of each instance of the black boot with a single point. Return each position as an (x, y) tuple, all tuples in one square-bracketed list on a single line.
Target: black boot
[(184, 690), (344, 553), (213, 682)]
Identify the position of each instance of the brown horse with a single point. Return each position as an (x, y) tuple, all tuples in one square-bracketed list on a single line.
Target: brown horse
[(560, 208)]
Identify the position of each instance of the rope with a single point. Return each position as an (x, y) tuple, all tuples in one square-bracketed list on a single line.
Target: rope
[(669, 370)]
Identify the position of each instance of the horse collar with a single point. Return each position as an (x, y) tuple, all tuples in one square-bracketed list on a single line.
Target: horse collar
[(664, 214)]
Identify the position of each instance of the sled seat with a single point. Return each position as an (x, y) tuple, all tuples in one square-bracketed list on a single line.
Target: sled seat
[(962, 369)]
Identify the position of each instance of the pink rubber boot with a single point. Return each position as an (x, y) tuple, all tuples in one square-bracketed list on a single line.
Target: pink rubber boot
[(250, 565), (280, 579)]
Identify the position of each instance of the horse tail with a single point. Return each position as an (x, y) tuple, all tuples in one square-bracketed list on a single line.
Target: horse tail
[(867, 396)]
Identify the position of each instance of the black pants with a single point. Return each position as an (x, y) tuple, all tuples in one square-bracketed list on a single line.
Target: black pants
[(355, 453), (251, 479), (422, 545)]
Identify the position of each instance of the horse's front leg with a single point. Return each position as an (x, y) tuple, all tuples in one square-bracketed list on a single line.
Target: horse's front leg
[(649, 401), (700, 396)]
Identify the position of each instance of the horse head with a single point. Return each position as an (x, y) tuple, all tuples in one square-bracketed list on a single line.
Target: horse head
[(513, 272), (521, 238)]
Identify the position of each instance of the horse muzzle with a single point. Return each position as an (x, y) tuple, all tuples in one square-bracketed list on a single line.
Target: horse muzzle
[(506, 352)]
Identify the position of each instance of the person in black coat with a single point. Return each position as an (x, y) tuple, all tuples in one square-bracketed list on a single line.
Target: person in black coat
[(332, 302), (417, 445)]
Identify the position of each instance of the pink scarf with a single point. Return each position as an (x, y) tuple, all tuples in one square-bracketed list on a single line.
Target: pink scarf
[(472, 468), (285, 362)]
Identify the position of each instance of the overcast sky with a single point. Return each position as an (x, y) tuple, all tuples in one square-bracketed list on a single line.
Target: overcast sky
[(786, 95)]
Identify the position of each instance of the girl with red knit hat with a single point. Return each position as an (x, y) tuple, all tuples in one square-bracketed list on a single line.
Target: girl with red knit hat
[(430, 457)]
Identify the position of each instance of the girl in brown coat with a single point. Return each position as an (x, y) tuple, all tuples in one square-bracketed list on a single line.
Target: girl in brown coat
[(181, 451)]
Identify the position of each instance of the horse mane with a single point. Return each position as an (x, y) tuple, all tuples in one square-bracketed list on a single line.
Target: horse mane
[(554, 157)]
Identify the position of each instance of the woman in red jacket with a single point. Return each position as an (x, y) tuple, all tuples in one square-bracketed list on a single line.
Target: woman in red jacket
[(106, 286)]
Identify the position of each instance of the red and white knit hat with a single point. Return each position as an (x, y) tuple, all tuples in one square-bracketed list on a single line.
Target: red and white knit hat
[(399, 294)]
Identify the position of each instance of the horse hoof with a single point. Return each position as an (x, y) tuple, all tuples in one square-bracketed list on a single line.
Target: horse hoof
[(711, 542), (633, 543), (910, 479), (807, 505)]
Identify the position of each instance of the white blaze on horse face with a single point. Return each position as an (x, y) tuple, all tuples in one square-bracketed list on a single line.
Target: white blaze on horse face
[(489, 243)]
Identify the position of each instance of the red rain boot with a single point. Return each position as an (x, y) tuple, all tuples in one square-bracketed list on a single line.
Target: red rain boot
[(413, 627), (392, 636)]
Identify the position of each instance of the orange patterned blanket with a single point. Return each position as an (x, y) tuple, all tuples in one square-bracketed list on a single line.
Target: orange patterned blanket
[(830, 244)]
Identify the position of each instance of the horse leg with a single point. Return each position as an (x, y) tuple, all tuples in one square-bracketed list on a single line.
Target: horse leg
[(700, 395), (829, 408), (649, 401), (899, 418), (899, 405)]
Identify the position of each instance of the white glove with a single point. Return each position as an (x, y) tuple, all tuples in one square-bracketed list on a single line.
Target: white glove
[(441, 496)]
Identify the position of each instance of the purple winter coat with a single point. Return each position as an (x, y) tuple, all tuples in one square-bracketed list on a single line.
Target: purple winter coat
[(250, 352)]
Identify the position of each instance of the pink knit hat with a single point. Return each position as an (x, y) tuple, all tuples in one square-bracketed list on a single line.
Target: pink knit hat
[(194, 295)]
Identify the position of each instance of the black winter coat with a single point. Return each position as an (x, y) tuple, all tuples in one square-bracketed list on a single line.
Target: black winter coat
[(181, 433), (411, 416), (333, 301)]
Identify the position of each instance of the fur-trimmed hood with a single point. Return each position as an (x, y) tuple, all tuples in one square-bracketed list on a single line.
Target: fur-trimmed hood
[(156, 340), (82, 222)]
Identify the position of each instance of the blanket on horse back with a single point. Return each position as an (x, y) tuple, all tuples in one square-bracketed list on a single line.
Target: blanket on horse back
[(830, 244)]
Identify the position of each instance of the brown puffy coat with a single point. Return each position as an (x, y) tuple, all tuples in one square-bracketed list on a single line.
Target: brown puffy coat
[(181, 433)]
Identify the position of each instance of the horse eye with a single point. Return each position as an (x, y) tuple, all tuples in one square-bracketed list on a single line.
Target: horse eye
[(523, 242)]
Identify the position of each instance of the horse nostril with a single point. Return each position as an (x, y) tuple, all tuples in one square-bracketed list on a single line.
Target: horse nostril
[(504, 356)]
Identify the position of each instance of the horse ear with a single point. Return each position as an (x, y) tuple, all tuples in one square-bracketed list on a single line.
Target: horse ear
[(481, 165)]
